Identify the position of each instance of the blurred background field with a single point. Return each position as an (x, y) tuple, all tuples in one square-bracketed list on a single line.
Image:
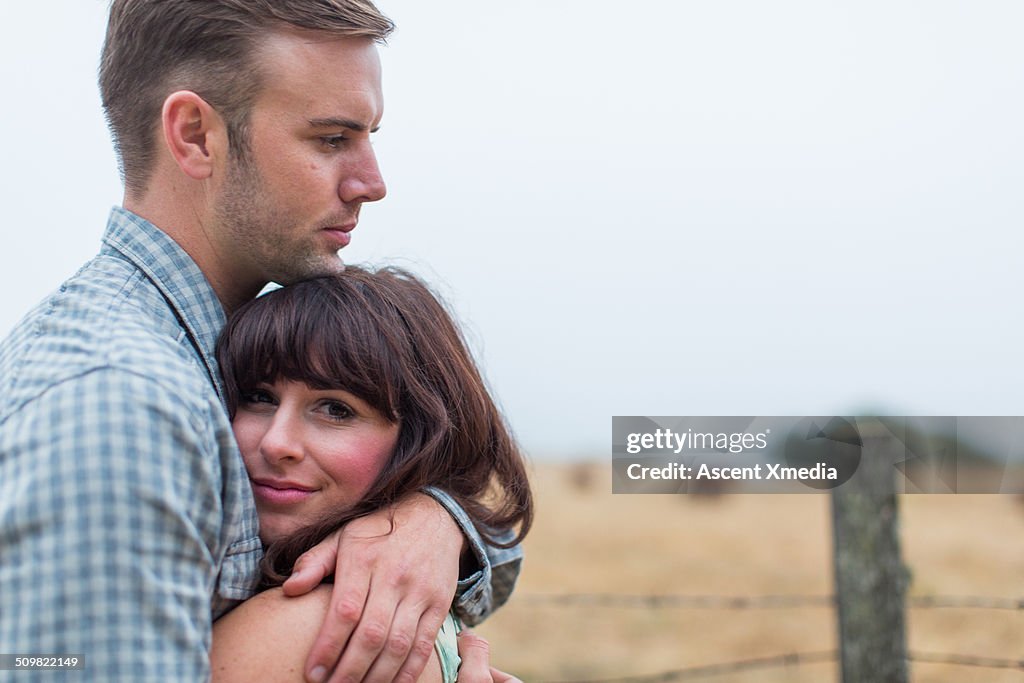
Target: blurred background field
[(588, 541)]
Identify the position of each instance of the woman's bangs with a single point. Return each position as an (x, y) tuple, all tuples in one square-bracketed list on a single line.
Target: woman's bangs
[(303, 334)]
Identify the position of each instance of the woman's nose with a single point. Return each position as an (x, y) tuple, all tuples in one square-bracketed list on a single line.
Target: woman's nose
[(282, 439)]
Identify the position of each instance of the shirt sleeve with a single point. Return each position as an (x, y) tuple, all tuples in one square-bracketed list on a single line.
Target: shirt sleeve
[(109, 517), (488, 588)]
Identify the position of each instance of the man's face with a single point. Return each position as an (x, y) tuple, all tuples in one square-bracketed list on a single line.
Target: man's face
[(289, 202)]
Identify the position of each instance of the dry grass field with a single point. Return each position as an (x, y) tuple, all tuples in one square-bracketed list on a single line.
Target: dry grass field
[(587, 540)]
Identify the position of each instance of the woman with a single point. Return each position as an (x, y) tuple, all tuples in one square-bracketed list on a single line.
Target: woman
[(347, 393)]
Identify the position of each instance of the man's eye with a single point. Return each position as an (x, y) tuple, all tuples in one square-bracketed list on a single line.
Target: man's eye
[(336, 410), (333, 141)]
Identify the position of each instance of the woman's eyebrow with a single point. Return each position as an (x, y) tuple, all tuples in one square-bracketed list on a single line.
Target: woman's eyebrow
[(333, 122)]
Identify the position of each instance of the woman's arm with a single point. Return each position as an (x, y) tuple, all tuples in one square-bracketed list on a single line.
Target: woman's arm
[(268, 637)]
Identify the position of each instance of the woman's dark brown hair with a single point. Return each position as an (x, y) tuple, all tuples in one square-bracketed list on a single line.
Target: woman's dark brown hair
[(383, 336)]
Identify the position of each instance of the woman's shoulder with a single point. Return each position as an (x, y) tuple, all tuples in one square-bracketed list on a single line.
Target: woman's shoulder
[(274, 603), (268, 637)]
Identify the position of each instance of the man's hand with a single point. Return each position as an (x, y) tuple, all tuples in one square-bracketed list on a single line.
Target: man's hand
[(475, 653), (391, 592)]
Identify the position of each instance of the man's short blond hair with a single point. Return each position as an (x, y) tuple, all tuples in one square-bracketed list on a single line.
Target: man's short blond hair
[(155, 47)]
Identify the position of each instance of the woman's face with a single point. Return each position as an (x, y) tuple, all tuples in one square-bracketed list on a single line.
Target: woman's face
[(308, 451)]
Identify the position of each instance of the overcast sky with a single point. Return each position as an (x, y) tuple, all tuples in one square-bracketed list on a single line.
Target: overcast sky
[(660, 208)]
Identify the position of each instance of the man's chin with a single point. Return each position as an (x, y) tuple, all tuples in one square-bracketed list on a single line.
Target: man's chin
[(331, 265)]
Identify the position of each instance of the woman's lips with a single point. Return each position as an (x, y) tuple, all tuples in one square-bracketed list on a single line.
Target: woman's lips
[(281, 493)]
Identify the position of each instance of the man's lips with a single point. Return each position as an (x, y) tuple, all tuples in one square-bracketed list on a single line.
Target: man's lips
[(340, 233), (281, 492)]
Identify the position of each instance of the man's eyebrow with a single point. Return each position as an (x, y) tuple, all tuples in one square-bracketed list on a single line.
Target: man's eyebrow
[(341, 123)]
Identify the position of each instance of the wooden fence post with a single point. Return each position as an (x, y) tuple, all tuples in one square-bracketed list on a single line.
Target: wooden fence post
[(871, 579)]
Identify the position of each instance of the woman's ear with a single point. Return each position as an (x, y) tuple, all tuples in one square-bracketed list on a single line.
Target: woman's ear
[(195, 134)]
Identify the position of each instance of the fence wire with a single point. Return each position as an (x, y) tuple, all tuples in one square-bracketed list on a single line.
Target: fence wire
[(709, 670), (774, 602), (797, 659), (680, 601), (966, 660), (755, 601)]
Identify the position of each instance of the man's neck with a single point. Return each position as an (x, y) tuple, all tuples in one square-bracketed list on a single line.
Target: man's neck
[(190, 231)]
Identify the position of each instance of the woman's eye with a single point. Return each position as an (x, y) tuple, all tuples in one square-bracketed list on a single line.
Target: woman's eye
[(336, 410), (256, 396)]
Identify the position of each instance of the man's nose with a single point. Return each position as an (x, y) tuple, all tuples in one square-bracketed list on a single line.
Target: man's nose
[(363, 182)]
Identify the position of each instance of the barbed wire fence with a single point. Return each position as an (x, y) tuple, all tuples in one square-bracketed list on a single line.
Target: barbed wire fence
[(771, 602), (869, 602), (622, 600)]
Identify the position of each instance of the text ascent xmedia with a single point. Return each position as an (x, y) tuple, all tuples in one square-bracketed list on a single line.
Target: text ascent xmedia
[(667, 440)]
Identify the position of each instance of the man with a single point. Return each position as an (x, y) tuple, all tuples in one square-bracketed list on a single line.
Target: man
[(243, 133)]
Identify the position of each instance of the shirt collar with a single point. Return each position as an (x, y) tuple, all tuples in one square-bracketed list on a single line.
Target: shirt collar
[(178, 278)]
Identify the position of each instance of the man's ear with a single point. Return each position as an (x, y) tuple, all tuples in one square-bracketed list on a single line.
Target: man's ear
[(195, 134)]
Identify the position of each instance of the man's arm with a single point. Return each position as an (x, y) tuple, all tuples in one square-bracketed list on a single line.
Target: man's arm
[(108, 515), (487, 588), (392, 589)]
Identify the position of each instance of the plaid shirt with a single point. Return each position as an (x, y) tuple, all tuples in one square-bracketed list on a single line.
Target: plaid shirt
[(126, 519)]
